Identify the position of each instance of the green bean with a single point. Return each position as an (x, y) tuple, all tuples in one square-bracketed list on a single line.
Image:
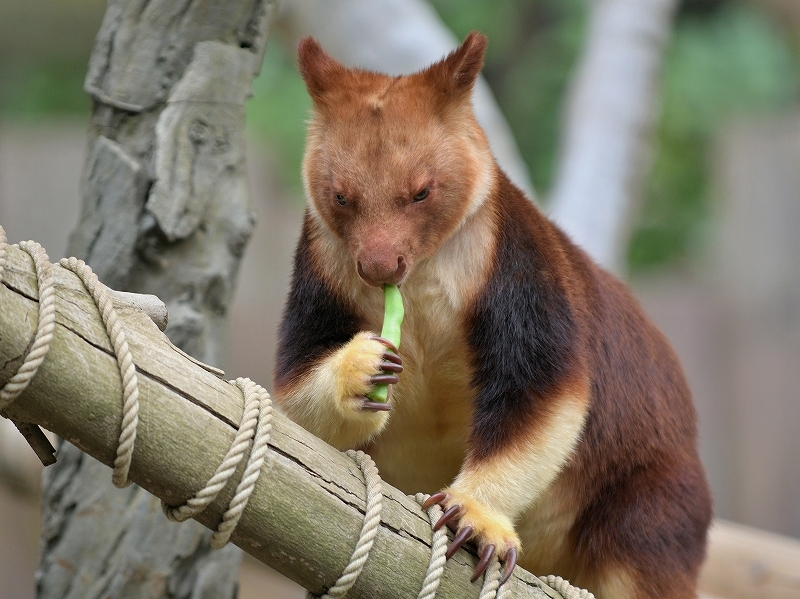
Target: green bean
[(392, 319)]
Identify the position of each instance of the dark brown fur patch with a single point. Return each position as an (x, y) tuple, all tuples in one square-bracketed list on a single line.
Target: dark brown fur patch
[(523, 332), (315, 320)]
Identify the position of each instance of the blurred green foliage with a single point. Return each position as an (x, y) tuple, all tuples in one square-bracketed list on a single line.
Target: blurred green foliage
[(44, 50), (722, 64), (725, 59), (30, 92), (278, 111)]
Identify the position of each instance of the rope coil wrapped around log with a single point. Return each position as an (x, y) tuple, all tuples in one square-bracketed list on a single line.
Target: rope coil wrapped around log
[(253, 434)]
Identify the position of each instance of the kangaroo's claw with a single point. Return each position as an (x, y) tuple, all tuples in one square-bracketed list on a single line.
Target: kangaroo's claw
[(393, 357), (376, 406), (450, 514), (462, 536), (388, 379), (434, 499), (511, 561), (486, 557), (386, 342), (387, 366)]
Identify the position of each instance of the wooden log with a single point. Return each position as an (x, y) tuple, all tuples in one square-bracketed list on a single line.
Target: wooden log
[(307, 508), (749, 563)]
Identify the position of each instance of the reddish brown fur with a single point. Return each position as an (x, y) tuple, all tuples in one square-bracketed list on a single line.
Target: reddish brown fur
[(527, 367)]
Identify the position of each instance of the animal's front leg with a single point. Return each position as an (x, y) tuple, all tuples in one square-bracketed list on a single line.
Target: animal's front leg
[(493, 489), (326, 362), (330, 399)]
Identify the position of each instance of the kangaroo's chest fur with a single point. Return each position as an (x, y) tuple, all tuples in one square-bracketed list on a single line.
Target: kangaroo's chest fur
[(424, 444)]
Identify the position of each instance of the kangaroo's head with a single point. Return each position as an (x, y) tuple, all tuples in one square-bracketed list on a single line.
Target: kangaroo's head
[(394, 165)]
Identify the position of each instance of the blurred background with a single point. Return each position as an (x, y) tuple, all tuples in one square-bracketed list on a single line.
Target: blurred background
[(714, 250)]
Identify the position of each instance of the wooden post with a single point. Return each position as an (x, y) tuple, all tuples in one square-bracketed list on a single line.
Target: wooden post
[(307, 508)]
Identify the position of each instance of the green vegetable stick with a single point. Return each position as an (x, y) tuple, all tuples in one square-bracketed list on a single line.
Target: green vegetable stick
[(392, 319)]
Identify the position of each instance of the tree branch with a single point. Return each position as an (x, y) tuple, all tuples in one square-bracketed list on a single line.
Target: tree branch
[(308, 505)]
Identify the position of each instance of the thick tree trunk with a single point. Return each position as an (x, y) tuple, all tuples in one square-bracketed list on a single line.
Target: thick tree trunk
[(607, 141), (166, 211)]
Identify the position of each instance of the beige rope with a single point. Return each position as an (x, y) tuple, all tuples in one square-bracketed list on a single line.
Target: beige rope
[(438, 550), (372, 520), (256, 422), (491, 579), (47, 320), (127, 369), (254, 463), (565, 588)]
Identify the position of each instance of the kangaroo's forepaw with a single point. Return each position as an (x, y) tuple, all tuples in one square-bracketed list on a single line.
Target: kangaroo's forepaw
[(365, 361), (472, 520)]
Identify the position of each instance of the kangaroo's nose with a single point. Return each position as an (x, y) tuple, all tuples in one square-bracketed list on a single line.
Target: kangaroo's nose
[(380, 272)]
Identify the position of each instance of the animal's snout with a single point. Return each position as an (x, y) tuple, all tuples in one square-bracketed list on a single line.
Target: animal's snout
[(378, 271)]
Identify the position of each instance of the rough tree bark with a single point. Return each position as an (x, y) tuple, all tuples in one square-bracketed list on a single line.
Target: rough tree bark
[(165, 210), (606, 145)]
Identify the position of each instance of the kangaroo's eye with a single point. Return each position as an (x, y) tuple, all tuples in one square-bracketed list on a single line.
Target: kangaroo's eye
[(422, 195), (341, 200)]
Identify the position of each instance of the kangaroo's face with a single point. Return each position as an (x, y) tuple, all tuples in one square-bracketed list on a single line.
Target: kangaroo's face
[(393, 165)]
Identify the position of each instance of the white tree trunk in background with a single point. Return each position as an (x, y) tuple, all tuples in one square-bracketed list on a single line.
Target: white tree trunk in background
[(606, 146), (396, 37)]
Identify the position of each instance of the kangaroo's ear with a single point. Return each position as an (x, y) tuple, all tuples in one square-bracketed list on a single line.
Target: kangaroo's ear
[(319, 70), (454, 76)]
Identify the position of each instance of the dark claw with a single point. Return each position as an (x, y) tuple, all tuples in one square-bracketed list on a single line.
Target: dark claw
[(486, 557), (391, 367), (450, 514), (460, 539), (386, 342), (433, 499), (388, 379), (376, 406), (392, 357), (511, 561)]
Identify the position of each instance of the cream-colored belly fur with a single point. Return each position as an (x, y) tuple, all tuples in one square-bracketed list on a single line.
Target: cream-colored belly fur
[(423, 445)]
